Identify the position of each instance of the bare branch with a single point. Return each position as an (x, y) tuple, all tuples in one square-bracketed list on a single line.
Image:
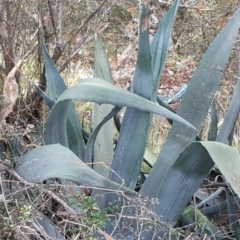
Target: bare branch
[(84, 23), (74, 52), (58, 42)]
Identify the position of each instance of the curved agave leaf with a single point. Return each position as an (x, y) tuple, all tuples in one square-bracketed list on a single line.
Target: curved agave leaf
[(100, 159), (56, 161), (103, 149), (149, 157), (55, 83), (188, 172), (227, 160), (50, 102), (56, 86), (93, 136), (135, 125), (97, 90), (47, 226), (160, 44)]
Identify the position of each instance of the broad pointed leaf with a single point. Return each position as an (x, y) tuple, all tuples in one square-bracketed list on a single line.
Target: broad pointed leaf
[(161, 42), (227, 160), (103, 149), (56, 86), (56, 161), (45, 97), (55, 83), (93, 136), (47, 226), (97, 90)]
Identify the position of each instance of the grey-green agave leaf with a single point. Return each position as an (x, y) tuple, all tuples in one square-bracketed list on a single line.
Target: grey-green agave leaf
[(55, 83), (103, 149), (227, 160), (160, 44), (99, 91), (93, 136), (56, 161), (47, 226), (45, 97), (56, 86)]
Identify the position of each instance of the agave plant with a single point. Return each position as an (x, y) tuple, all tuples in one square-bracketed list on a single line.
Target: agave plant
[(184, 161)]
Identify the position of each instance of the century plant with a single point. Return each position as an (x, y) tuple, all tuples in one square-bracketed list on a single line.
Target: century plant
[(184, 161)]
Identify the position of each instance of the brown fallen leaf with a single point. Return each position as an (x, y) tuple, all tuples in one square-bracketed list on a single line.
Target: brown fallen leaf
[(10, 90)]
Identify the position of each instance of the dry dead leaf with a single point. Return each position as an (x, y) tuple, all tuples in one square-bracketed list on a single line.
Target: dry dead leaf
[(10, 89), (10, 92)]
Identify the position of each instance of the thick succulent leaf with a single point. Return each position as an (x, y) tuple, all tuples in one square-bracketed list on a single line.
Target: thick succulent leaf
[(160, 44), (56, 161), (213, 128), (165, 105), (50, 102), (194, 107), (55, 83), (226, 131), (93, 136), (56, 86), (193, 217), (74, 132), (135, 125), (44, 223), (149, 157), (97, 90), (227, 160), (101, 64), (103, 149)]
